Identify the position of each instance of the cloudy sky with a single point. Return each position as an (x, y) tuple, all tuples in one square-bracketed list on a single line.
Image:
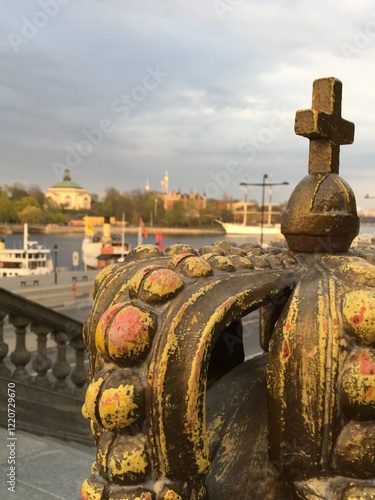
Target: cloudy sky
[(121, 90)]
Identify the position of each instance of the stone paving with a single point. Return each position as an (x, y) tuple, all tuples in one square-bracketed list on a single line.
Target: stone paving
[(45, 468)]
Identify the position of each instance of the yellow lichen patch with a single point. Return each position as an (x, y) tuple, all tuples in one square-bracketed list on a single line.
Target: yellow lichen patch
[(194, 267), (92, 394), (129, 461), (160, 284), (208, 256), (195, 424), (161, 279), (358, 384), (117, 407), (179, 248), (96, 430), (171, 495), (357, 271), (129, 335), (104, 273), (158, 372), (355, 454), (84, 412), (121, 294), (91, 489), (143, 252), (136, 281), (222, 263), (241, 262), (104, 444), (177, 258), (358, 307)]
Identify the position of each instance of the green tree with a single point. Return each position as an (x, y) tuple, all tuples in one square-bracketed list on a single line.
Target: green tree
[(30, 214), (176, 217), (37, 193), (5, 208), (20, 203), (115, 204), (17, 191)]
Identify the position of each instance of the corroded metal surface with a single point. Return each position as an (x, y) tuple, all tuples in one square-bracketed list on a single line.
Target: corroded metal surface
[(151, 333), (321, 376), (156, 339), (321, 215)]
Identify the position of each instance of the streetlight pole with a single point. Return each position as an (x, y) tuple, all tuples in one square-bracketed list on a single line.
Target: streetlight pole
[(263, 184), (55, 250), (245, 205), (265, 176), (156, 209)]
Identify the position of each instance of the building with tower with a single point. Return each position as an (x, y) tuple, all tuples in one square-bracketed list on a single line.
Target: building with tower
[(69, 195)]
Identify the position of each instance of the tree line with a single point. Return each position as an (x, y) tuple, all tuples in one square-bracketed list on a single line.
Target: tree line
[(19, 204)]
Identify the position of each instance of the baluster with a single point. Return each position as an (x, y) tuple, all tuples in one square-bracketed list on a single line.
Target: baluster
[(20, 356), (4, 348), (61, 368), (41, 362), (79, 375)]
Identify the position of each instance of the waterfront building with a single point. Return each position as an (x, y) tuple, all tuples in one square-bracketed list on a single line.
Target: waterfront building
[(68, 194), (193, 200)]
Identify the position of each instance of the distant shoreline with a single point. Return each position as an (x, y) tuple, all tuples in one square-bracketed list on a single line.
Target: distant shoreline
[(56, 229)]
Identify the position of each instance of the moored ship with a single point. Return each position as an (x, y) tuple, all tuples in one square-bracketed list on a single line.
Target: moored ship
[(241, 229), (31, 260), (101, 249)]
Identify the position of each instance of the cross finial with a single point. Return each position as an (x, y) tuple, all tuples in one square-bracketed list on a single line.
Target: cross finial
[(324, 126)]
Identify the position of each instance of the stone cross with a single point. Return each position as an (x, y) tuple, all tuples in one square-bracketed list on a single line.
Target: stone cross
[(324, 126)]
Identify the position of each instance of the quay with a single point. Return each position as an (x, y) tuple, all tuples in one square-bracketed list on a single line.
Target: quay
[(70, 287), (57, 229)]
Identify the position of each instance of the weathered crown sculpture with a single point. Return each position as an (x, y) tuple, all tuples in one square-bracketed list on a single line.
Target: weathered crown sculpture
[(296, 423)]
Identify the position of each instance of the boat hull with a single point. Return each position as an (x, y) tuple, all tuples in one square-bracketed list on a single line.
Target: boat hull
[(95, 255), (240, 229)]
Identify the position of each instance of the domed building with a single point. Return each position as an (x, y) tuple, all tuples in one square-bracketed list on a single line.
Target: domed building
[(69, 195)]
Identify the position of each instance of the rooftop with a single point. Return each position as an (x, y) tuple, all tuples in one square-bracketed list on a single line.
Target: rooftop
[(67, 182)]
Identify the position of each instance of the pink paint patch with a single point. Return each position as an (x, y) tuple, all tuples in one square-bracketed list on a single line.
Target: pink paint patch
[(313, 352), (164, 278), (127, 326), (366, 365), (285, 352), (357, 319), (106, 318)]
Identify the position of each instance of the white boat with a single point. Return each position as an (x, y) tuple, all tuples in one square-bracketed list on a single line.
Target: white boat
[(100, 250), (364, 239), (31, 260), (241, 229)]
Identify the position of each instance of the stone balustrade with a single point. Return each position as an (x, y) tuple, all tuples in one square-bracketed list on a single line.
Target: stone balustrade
[(45, 356)]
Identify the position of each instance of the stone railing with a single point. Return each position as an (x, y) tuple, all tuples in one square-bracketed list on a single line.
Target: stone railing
[(45, 357)]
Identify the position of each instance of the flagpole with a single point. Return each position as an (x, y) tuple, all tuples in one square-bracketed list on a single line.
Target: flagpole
[(140, 239), (123, 237)]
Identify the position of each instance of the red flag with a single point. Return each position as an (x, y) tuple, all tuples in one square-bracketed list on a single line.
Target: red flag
[(144, 229), (159, 240)]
